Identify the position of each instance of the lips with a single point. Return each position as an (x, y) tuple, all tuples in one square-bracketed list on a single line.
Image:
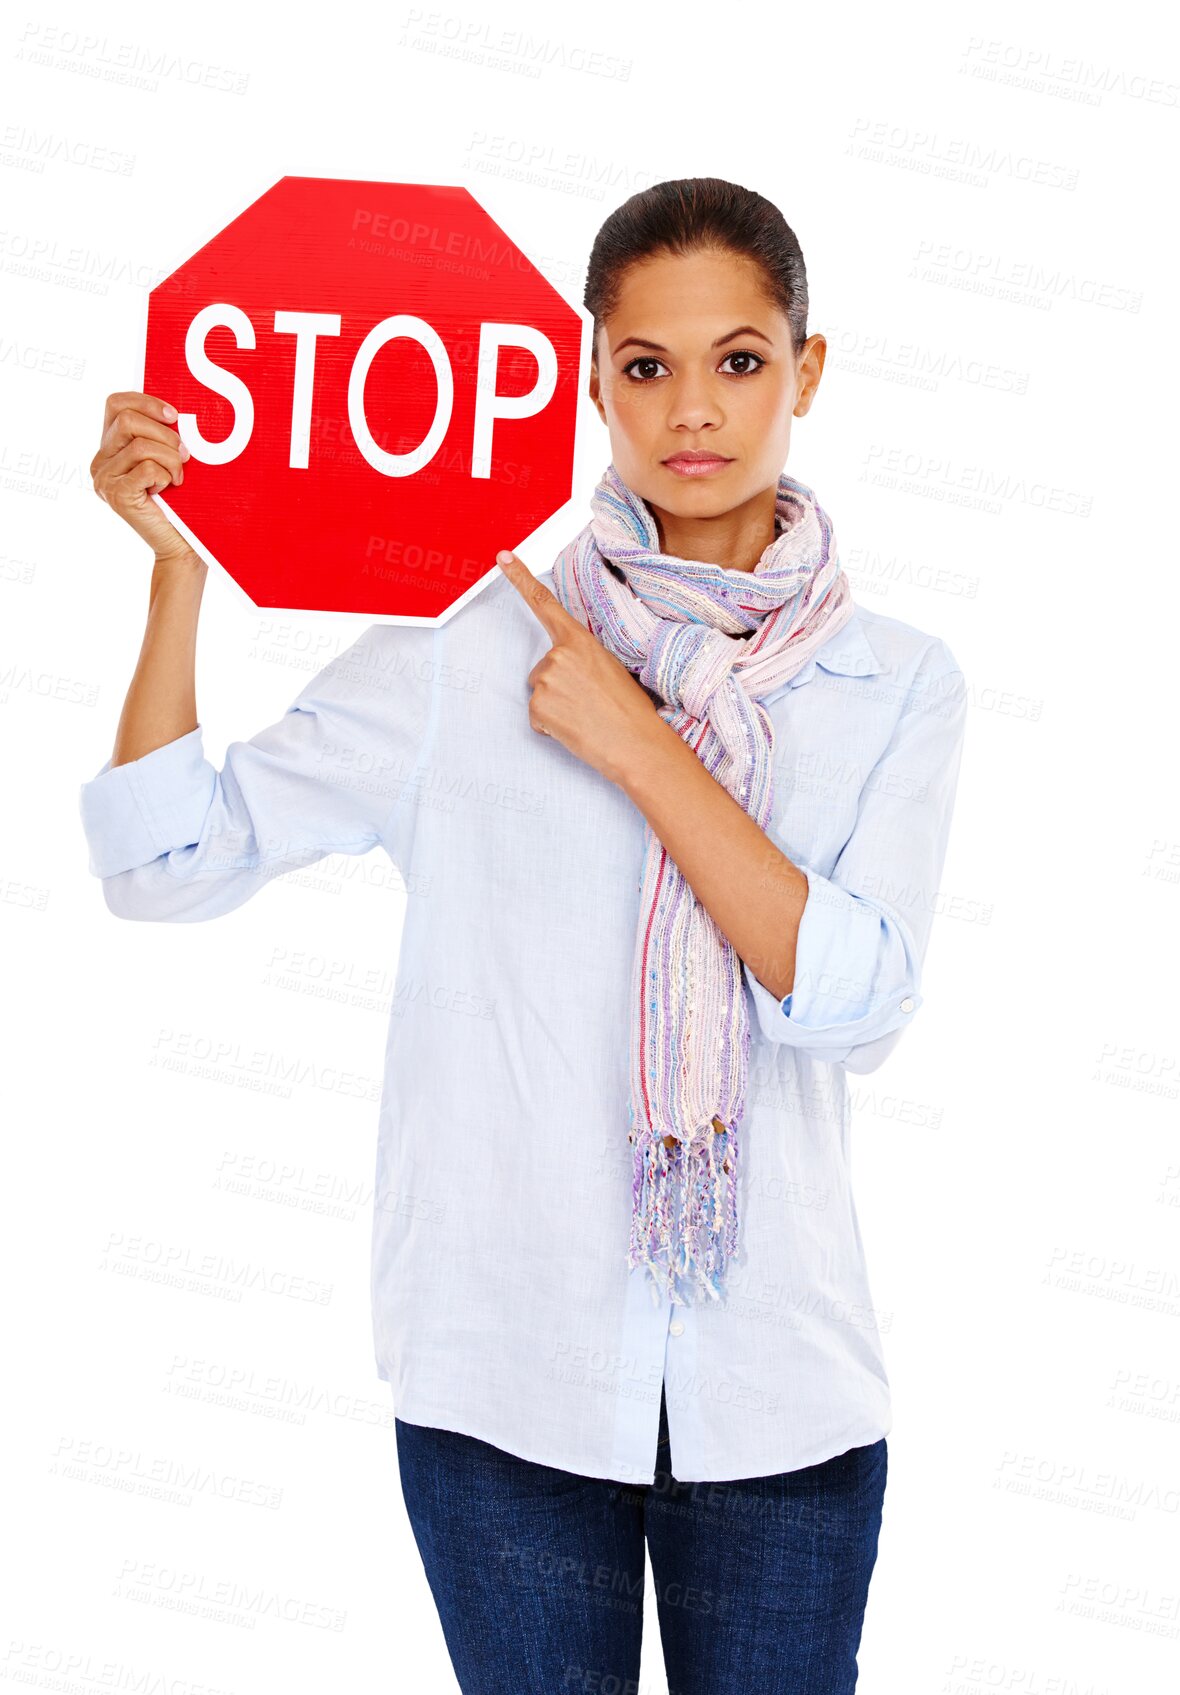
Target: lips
[(697, 463), (697, 458)]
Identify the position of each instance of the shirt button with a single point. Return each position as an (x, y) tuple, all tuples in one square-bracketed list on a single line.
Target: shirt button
[(907, 1004), (676, 1327)]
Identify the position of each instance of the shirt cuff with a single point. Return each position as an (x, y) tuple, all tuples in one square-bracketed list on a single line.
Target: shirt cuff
[(856, 975), (134, 812)]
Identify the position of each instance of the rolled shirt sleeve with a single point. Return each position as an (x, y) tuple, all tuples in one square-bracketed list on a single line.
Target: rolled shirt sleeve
[(172, 837), (865, 928), (133, 812)]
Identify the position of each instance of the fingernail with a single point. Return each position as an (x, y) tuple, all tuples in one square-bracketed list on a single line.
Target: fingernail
[(503, 557), (170, 413), (184, 450)]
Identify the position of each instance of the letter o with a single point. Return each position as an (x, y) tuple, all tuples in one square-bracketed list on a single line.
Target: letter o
[(390, 329)]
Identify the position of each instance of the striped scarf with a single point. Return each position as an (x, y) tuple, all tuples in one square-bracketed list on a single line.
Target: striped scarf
[(708, 641)]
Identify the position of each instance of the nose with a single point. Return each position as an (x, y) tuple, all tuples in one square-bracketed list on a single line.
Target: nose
[(693, 405)]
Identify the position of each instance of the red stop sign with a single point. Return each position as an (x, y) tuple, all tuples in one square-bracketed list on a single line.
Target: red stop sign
[(379, 391)]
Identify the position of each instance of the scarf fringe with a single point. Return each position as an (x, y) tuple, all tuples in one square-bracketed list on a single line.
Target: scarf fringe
[(684, 1210)]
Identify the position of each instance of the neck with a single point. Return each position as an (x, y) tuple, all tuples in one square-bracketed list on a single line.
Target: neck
[(735, 539)]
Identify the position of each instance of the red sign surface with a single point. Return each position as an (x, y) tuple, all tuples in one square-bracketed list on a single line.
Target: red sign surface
[(379, 391)]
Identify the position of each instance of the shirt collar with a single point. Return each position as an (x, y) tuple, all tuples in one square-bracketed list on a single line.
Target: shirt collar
[(848, 653)]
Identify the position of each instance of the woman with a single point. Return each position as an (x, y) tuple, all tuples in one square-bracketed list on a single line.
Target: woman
[(671, 817)]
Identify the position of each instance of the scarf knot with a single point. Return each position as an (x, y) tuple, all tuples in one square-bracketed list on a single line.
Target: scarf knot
[(708, 641), (686, 664)]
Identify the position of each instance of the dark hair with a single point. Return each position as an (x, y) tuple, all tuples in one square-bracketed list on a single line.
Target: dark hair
[(693, 214)]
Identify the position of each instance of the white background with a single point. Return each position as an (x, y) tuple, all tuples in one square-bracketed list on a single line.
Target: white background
[(983, 199)]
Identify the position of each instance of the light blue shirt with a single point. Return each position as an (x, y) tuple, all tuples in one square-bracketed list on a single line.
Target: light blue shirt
[(502, 1301)]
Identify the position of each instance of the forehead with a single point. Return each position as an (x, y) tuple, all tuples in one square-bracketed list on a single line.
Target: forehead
[(691, 296)]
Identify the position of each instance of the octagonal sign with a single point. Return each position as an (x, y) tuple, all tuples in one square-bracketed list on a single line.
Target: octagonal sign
[(379, 391)]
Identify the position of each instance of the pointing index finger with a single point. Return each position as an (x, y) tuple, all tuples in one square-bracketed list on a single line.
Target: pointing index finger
[(543, 602)]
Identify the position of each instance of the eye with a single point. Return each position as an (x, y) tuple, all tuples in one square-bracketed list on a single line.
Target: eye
[(745, 353), (630, 370), (644, 359)]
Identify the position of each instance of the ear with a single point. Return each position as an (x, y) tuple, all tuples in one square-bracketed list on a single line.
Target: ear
[(594, 389)]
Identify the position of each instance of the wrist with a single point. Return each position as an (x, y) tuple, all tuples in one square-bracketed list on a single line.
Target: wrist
[(182, 561), (181, 572), (644, 752), (178, 580)]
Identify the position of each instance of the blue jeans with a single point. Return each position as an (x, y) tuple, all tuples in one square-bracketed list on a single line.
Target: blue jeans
[(538, 1574)]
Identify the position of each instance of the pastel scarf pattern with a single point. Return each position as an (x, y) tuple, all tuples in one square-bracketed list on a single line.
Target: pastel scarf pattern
[(708, 641)]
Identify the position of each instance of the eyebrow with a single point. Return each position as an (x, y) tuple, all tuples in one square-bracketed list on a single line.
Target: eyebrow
[(655, 347)]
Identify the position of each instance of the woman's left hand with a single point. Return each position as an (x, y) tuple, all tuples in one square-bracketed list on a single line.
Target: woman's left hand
[(582, 695)]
